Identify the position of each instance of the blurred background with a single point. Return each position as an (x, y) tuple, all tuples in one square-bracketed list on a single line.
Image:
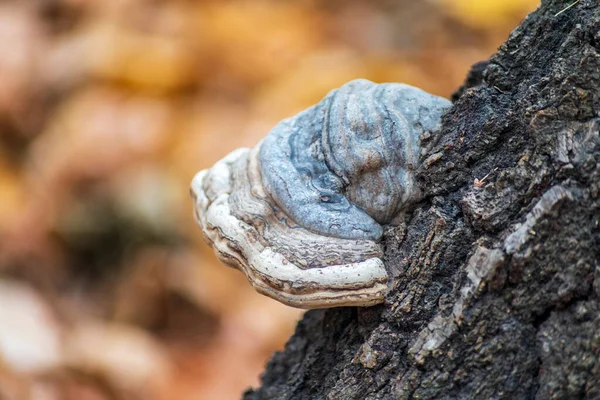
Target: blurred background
[(107, 109)]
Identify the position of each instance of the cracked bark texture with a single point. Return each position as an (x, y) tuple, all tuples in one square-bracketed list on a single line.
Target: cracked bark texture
[(496, 285)]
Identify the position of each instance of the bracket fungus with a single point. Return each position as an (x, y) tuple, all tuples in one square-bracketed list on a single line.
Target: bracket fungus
[(301, 213)]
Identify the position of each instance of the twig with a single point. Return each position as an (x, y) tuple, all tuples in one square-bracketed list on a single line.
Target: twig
[(565, 9)]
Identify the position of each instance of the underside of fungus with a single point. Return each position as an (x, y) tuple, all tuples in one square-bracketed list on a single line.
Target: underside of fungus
[(301, 213)]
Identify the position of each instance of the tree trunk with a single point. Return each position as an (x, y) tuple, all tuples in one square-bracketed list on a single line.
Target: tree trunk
[(496, 276)]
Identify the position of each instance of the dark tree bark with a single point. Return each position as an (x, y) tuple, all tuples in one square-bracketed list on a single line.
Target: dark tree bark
[(496, 281)]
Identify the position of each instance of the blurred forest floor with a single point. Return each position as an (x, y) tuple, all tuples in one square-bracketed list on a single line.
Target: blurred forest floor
[(107, 109)]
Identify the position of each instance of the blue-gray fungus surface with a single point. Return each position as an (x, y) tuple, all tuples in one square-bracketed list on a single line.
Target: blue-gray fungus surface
[(345, 166), (301, 214)]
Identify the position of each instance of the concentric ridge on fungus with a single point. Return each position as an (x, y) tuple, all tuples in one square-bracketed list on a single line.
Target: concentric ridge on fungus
[(301, 213)]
